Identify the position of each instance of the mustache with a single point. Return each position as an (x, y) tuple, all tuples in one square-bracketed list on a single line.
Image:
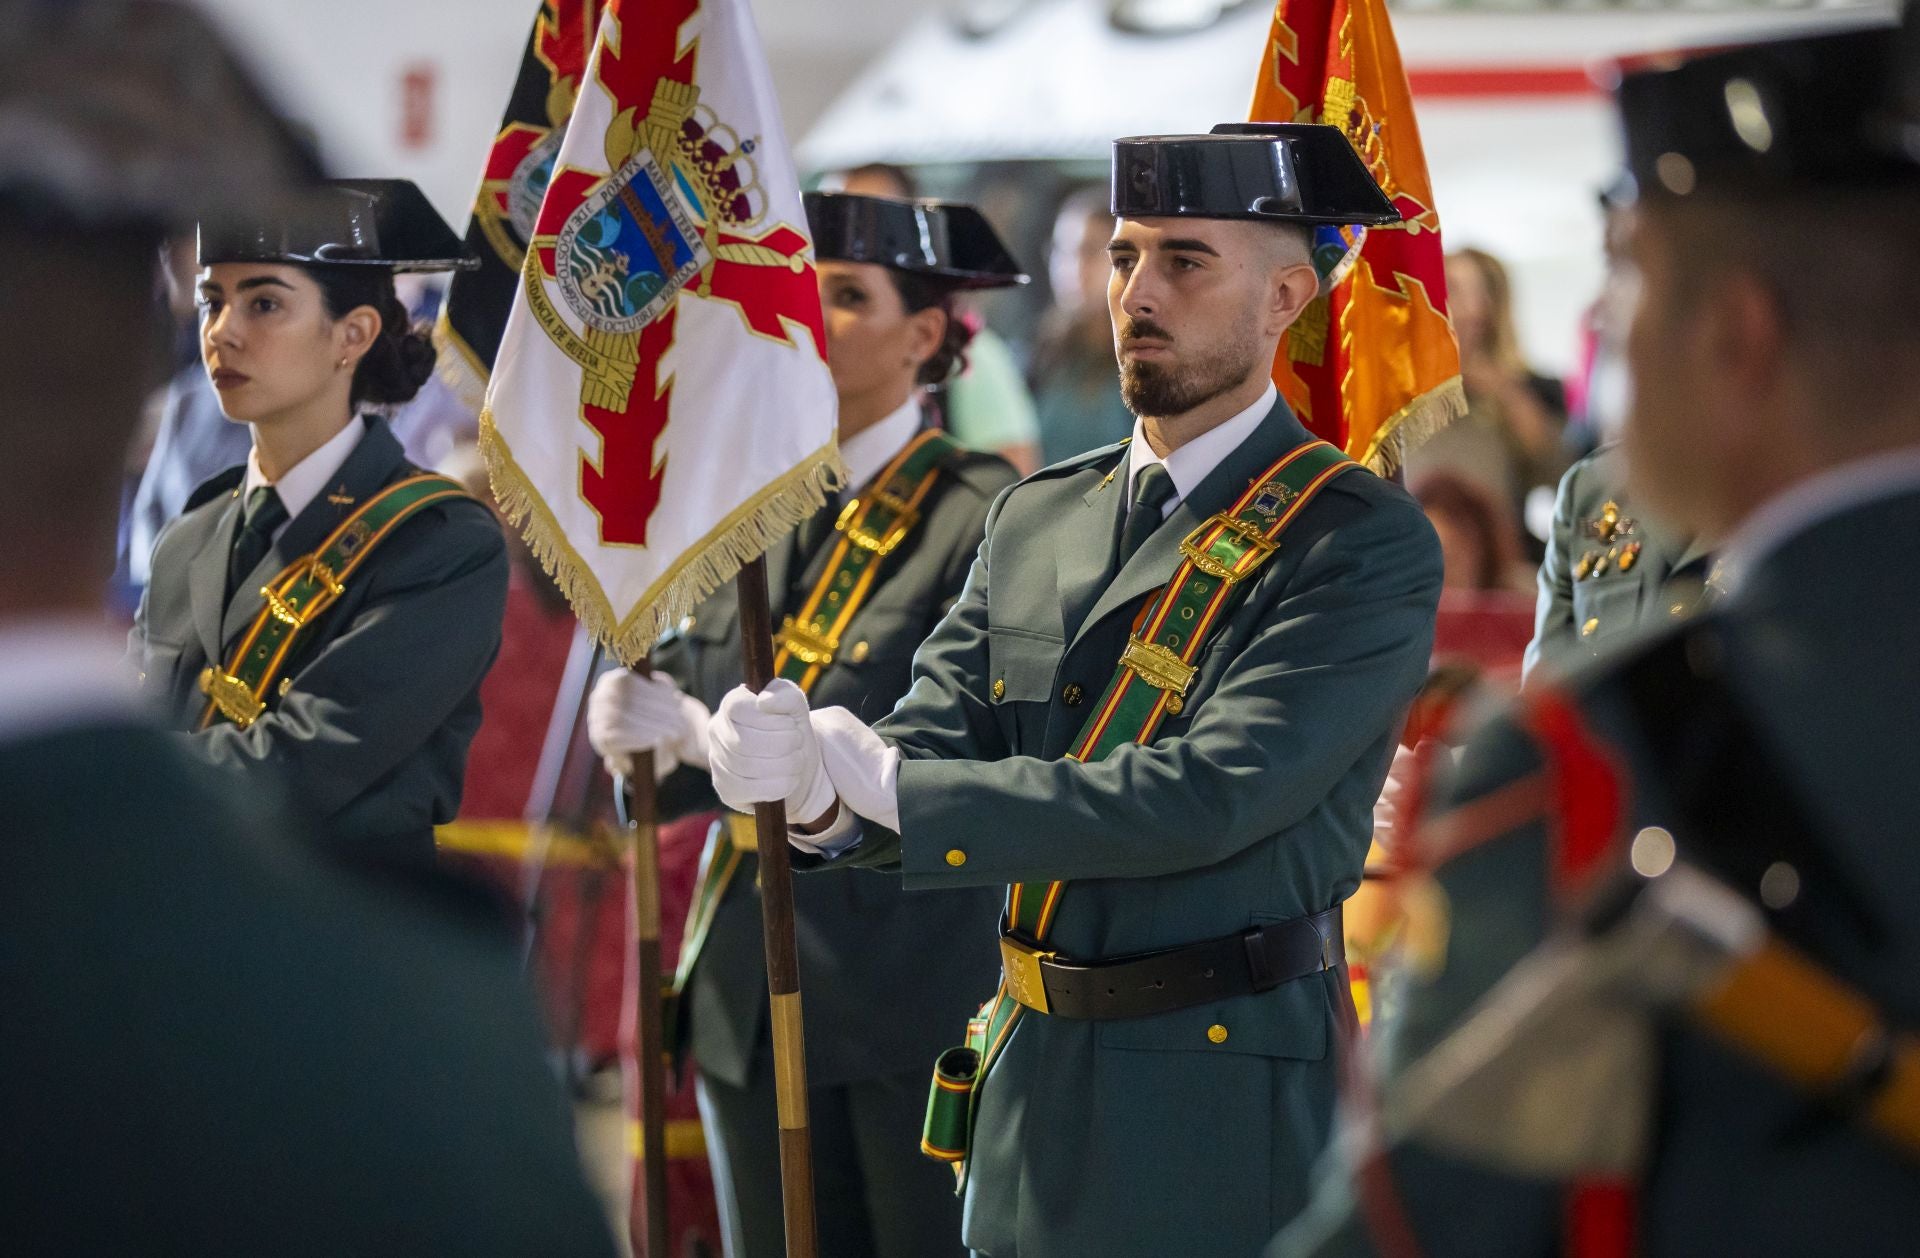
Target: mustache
[(1137, 329)]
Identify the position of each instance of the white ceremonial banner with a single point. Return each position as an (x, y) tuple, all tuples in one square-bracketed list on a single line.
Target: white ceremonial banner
[(660, 411)]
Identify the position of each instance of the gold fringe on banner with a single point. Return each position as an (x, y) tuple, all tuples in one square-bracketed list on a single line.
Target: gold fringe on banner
[(460, 369), (709, 563), (1407, 428)]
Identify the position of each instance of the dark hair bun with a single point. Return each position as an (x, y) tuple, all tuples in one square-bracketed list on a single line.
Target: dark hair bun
[(397, 365), (923, 292), (951, 358)]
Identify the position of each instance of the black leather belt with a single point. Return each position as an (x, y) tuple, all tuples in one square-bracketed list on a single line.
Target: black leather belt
[(1255, 960)]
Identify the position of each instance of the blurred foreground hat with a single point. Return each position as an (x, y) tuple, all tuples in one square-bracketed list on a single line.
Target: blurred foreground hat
[(348, 222), (1809, 113), (943, 240), (1282, 172), (1900, 129), (134, 113)]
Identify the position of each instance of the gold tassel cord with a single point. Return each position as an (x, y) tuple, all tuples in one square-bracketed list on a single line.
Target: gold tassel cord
[(744, 535)]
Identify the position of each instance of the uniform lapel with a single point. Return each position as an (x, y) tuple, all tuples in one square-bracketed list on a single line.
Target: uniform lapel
[(1090, 535), (207, 578), (1152, 565), (373, 463)]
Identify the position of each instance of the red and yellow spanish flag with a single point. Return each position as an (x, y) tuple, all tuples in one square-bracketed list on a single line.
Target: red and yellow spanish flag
[(1372, 366)]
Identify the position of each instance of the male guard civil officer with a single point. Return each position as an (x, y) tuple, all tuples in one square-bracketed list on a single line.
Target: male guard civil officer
[(1687, 874), (1163, 708)]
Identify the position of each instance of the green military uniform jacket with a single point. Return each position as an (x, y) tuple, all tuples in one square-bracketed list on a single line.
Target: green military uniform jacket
[(1608, 572), (216, 1045), (1191, 1131), (886, 982), (1816, 646), (369, 742)]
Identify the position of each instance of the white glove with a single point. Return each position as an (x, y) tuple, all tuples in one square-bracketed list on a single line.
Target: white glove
[(629, 713), (864, 769), (761, 747)]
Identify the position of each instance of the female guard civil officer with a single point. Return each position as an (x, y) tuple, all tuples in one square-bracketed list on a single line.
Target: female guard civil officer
[(857, 589), (321, 617)]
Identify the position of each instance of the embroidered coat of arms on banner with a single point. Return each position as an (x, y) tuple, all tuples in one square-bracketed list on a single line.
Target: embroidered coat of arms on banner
[(1372, 365), (660, 410)]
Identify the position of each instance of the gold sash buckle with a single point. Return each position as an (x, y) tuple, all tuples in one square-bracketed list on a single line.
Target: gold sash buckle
[(805, 643), (1258, 546), (283, 611), (1158, 666), (881, 544), (326, 576), (1020, 963), (231, 696)]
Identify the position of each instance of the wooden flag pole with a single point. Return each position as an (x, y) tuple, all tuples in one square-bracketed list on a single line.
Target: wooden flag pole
[(783, 958), (639, 815)]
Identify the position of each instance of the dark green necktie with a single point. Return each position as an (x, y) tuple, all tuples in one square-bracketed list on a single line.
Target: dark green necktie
[(1153, 489), (265, 513)]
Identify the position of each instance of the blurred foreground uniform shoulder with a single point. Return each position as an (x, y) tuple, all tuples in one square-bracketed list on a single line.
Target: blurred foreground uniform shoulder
[(213, 1044), (218, 1046), (1674, 1008)]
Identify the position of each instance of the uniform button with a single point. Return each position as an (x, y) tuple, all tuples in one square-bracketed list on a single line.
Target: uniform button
[(1072, 695), (1217, 1033), (1587, 630), (860, 652), (956, 858), (999, 688)]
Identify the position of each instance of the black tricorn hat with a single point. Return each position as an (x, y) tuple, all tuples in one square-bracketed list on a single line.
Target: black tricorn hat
[(348, 222), (1809, 113), (137, 114), (1280, 172), (944, 240), (1899, 129)]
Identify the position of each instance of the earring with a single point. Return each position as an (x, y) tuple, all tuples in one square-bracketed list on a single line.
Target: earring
[(341, 365)]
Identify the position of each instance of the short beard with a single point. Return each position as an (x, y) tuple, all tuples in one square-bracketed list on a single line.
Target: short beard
[(1164, 390)]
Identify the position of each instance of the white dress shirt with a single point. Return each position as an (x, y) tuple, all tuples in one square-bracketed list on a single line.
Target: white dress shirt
[(868, 451), (307, 479), (60, 672), (1194, 462), (1818, 498), (1187, 466)]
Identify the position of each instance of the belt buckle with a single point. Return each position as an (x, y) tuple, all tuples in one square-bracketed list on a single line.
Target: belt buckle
[(1020, 962), (881, 544)]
